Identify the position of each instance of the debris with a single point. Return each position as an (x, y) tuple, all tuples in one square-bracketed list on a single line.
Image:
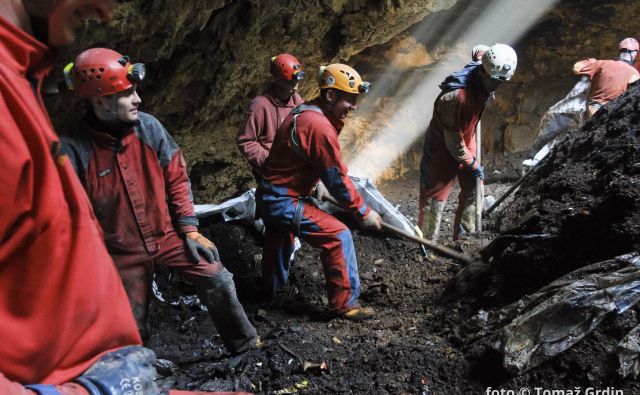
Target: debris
[(546, 323), (314, 367), (628, 351), (336, 340), (294, 388), (567, 114)]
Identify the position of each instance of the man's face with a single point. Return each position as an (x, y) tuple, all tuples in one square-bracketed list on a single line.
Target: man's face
[(69, 15), (127, 105), (285, 89), (343, 103), (124, 105)]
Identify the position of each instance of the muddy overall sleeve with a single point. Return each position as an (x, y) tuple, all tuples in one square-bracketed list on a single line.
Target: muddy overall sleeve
[(455, 120), (323, 149), (588, 67), (177, 182)]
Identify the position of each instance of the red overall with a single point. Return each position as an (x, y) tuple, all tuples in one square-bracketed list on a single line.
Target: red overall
[(298, 159), (139, 189), (450, 146), (62, 304), (265, 116)]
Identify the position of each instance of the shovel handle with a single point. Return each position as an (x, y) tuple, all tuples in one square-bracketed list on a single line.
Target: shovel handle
[(401, 232), (430, 244)]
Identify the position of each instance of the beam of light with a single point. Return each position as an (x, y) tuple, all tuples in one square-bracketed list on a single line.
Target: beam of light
[(503, 21)]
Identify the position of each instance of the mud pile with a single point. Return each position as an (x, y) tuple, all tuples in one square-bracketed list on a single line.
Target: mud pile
[(581, 206)]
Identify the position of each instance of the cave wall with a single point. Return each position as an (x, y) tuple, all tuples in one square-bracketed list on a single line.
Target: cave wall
[(207, 59)]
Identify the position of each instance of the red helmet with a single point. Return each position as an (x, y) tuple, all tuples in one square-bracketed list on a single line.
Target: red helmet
[(286, 67), (102, 72), (629, 43)]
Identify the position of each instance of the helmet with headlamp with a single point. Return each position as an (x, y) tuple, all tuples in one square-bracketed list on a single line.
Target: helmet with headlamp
[(102, 72)]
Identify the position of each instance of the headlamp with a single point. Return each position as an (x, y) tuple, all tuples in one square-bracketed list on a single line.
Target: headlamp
[(364, 87), (67, 76), (299, 75), (136, 72)]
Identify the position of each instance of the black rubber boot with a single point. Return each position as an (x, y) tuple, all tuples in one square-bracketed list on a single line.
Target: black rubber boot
[(229, 318)]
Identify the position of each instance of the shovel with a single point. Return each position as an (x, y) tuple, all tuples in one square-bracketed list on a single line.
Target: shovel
[(427, 243), (479, 182)]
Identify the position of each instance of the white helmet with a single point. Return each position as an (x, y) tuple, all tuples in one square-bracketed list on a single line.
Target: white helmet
[(500, 62)]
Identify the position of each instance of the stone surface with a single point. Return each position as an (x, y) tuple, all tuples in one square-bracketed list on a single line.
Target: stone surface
[(206, 60)]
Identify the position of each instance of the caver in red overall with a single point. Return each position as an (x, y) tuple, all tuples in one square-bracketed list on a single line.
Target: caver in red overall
[(293, 168), (63, 309), (448, 152), (267, 111), (137, 183), (62, 305)]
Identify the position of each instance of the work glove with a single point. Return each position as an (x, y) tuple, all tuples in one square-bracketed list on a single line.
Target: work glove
[(129, 370), (198, 245), (321, 191), (476, 170), (373, 221)]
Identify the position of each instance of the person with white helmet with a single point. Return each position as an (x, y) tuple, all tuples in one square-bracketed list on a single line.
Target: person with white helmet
[(450, 143), (609, 78), (268, 110), (306, 150)]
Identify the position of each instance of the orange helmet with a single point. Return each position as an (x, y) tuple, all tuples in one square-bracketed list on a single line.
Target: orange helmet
[(342, 77), (102, 72), (286, 67), (630, 44)]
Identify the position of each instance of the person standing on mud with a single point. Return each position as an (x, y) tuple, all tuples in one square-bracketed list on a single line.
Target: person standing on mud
[(450, 141), (65, 317), (306, 150), (135, 176), (267, 111), (609, 78)]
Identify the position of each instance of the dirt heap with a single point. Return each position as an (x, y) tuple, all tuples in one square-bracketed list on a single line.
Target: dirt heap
[(580, 206)]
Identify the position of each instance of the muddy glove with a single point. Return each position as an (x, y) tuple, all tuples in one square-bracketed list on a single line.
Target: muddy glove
[(476, 170), (198, 245), (373, 221), (321, 191), (129, 370)]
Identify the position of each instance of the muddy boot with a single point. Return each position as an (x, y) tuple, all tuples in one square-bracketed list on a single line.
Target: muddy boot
[(359, 313), (219, 295), (465, 221), (432, 216)]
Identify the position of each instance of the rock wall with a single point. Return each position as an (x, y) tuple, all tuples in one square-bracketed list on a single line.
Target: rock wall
[(207, 59)]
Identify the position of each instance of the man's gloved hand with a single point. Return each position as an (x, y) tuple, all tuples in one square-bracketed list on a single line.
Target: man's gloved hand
[(476, 169), (198, 245), (128, 370), (373, 221), (321, 191)]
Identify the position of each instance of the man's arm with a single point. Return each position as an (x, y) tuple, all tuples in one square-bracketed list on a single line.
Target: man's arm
[(323, 149), (247, 139), (454, 120), (585, 67), (177, 184)]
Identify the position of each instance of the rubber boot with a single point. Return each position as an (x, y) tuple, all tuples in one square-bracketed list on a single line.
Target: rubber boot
[(432, 216), (219, 295)]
